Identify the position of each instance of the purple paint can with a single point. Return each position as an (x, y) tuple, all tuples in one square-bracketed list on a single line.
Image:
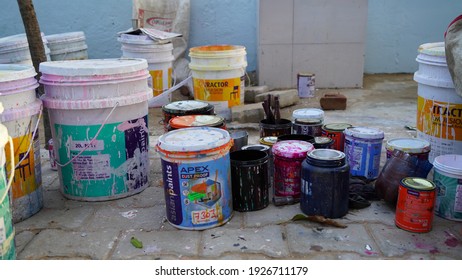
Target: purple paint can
[(288, 158)]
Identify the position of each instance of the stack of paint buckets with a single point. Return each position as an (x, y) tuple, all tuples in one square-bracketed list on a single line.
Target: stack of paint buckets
[(67, 46), (15, 50), (99, 118), (21, 118)]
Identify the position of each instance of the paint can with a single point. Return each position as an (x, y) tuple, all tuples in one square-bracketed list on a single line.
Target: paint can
[(438, 104), (218, 73), (98, 112), (416, 201), (447, 176), (419, 148), (306, 85), (159, 57), (325, 184), (308, 121), (197, 177), (7, 244), (271, 128), (183, 108), (67, 46), (335, 132), (240, 139), (52, 155), (21, 118), (322, 142), (249, 178), (363, 148), (268, 140), (267, 150), (196, 121), (288, 158)]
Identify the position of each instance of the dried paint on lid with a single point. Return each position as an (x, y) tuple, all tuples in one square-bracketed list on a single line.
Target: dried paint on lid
[(292, 148), (268, 140), (196, 139), (308, 113), (93, 67), (326, 154), (196, 120), (184, 106), (364, 133), (451, 164), (418, 184), (408, 145), (435, 49), (322, 140), (336, 126)]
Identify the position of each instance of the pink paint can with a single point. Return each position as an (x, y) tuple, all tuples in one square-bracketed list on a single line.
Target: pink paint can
[(288, 158)]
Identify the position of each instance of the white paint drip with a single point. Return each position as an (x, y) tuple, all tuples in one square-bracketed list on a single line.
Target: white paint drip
[(129, 214)]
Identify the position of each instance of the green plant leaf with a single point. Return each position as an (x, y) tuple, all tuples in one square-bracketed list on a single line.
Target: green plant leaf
[(299, 217), (136, 243)]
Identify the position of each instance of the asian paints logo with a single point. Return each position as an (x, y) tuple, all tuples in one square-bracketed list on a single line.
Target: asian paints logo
[(164, 24)]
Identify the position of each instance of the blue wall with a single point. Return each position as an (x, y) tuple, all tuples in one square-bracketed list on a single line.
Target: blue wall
[(395, 27)]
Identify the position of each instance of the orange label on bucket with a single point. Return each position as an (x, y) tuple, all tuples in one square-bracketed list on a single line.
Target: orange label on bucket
[(24, 181), (219, 90), (439, 119), (159, 82)]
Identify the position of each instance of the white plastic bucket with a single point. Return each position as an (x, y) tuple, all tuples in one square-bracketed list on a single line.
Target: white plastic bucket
[(439, 108), (98, 114), (67, 46), (218, 73), (15, 50), (21, 117), (447, 176), (159, 58)]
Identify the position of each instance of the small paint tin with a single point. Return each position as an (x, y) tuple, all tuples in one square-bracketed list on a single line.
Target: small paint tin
[(416, 201), (268, 140), (308, 121), (266, 149), (363, 148), (183, 108), (306, 85), (196, 121), (447, 176), (271, 128), (413, 146), (197, 177), (335, 132), (288, 157), (322, 142), (51, 153)]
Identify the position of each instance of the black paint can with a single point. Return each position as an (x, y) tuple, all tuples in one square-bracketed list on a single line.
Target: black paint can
[(325, 184), (249, 179)]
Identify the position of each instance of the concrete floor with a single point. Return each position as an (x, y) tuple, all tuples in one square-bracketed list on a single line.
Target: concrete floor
[(66, 229)]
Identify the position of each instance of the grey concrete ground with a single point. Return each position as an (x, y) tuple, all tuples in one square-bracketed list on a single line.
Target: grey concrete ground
[(66, 229)]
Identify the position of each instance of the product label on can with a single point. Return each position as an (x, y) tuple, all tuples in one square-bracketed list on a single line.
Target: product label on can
[(313, 130), (414, 209), (230, 90), (363, 158), (198, 194), (338, 137), (160, 80), (449, 196), (306, 85), (115, 163)]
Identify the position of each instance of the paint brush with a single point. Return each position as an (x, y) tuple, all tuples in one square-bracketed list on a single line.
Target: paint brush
[(277, 113)]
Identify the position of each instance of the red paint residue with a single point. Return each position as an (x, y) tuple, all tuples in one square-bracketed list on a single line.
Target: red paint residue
[(451, 240)]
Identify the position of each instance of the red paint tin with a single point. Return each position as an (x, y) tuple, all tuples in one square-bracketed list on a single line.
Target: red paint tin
[(335, 132), (184, 108), (196, 121)]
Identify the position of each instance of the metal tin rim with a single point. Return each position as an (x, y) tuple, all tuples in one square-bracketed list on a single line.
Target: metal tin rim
[(326, 154), (414, 145), (416, 183), (341, 127), (184, 106), (308, 113), (364, 132)]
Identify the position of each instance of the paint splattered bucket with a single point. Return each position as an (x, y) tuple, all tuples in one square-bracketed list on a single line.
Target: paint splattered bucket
[(197, 177), (196, 121), (218, 74), (185, 107), (21, 118), (335, 132), (308, 121), (363, 148), (447, 176), (288, 158), (439, 107), (416, 201), (271, 128), (7, 246), (15, 50), (419, 148), (249, 177), (67, 46), (99, 114)]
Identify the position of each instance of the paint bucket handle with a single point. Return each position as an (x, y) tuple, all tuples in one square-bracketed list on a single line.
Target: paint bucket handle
[(93, 139), (33, 137), (12, 169)]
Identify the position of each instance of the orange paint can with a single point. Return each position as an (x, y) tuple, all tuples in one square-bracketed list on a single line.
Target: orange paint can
[(416, 201)]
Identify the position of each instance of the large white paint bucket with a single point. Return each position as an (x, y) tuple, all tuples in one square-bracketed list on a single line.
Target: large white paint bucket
[(21, 118), (439, 108), (15, 50), (447, 176), (159, 57), (7, 247), (98, 114), (67, 46), (219, 76)]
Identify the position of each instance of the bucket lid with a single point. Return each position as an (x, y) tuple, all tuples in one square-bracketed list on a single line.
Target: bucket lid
[(418, 184), (308, 113), (23, 112), (65, 37), (326, 154), (449, 163), (93, 67), (336, 126), (269, 140), (194, 142), (434, 49), (13, 72), (292, 148), (364, 132), (184, 106), (213, 51), (408, 145), (195, 121)]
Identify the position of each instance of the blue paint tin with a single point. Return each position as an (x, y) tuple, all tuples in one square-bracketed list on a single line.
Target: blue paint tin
[(363, 148), (197, 177)]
